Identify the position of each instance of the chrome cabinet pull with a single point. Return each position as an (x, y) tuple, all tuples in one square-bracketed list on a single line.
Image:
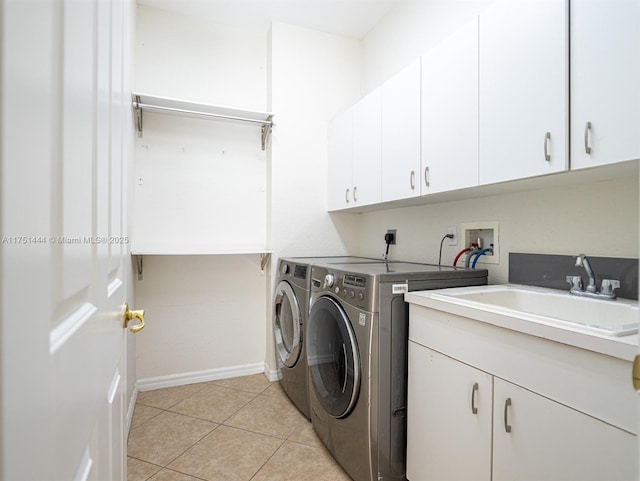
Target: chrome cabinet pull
[(355, 199), (587, 138), (412, 180), (426, 176), (474, 390), (547, 139), (346, 196), (507, 426)]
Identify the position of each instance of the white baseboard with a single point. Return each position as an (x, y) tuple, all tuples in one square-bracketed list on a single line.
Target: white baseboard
[(181, 379), (272, 375)]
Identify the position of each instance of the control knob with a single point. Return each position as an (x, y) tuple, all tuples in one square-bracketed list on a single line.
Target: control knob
[(329, 279), (284, 269), (360, 296)]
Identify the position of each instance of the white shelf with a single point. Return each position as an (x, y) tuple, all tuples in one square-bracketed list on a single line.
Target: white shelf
[(186, 108), (138, 254), (199, 252)]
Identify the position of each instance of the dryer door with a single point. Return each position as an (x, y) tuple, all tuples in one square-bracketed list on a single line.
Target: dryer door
[(333, 358), (287, 324)]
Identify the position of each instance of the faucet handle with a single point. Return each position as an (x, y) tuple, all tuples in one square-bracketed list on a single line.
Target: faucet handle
[(608, 286), (575, 282)]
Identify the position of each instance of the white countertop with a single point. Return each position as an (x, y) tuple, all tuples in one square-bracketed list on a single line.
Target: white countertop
[(622, 347)]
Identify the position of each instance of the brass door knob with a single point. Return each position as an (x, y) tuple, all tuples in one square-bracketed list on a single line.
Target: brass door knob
[(129, 314), (636, 373)]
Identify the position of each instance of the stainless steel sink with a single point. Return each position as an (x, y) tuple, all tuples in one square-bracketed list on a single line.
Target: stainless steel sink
[(616, 318)]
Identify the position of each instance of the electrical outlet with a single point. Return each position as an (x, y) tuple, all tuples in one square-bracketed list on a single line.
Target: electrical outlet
[(394, 235), (453, 230)]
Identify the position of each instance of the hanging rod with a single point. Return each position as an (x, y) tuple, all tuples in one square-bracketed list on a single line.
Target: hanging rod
[(181, 107)]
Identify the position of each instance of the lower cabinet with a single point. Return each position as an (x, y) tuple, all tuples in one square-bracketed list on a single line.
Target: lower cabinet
[(464, 423), (448, 419)]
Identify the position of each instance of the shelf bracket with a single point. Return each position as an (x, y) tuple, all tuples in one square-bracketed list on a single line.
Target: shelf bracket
[(138, 259), (266, 132), (136, 105), (264, 259)]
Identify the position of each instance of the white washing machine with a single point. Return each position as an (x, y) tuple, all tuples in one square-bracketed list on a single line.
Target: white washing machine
[(357, 343), (290, 312)]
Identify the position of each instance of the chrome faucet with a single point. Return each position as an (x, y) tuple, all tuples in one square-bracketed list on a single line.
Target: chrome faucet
[(582, 261), (606, 289)]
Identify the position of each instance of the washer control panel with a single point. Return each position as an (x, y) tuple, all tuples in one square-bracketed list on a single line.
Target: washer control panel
[(353, 289)]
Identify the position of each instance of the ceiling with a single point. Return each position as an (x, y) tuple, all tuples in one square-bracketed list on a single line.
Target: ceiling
[(352, 18)]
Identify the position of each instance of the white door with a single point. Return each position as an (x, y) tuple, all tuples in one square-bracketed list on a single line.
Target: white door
[(450, 112), (539, 439), (367, 160), (523, 86), (449, 418), (340, 166), (401, 177), (605, 74), (64, 129)]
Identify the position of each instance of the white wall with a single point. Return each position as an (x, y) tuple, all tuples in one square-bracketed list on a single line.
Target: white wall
[(208, 313), (203, 313), (599, 218), (407, 32), (313, 75), (192, 59)]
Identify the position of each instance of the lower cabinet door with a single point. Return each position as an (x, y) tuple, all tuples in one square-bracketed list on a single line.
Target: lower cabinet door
[(539, 439), (448, 419)]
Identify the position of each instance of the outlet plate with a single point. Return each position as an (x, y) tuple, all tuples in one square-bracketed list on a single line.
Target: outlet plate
[(453, 230), (489, 233), (395, 235)]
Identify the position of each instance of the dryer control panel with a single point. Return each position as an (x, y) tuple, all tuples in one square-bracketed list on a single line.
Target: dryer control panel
[(352, 288)]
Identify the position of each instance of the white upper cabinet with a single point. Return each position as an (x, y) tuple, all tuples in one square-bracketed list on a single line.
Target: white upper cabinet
[(450, 113), (340, 175), (523, 89), (401, 173), (367, 150), (605, 82), (355, 155)]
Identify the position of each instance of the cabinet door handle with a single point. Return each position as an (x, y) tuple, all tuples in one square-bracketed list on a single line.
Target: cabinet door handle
[(474, 390), (507, 404), (426, 176), (355, 199), (346, 196), (547, 139), (412, 180), (587, 138)]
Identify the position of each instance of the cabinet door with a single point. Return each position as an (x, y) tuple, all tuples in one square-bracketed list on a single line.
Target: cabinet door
[(401, 176), (450, 113), (523, 89), (549, 441), (366, 150), (605, 80), (340, 173), (446, 439)]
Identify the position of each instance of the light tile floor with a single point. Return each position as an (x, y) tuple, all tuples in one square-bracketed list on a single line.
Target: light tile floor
[(240, 429)]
